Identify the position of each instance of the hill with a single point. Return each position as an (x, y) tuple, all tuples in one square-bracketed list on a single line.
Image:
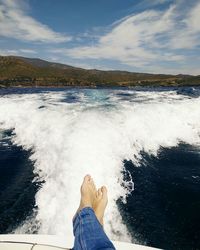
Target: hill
[(21, 71)]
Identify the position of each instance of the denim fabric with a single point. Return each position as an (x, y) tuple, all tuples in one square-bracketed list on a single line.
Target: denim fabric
[(89, 233)]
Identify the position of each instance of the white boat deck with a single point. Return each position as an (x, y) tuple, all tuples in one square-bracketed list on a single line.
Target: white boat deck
[(50, 242)]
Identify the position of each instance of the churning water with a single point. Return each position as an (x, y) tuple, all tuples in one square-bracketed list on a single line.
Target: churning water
[(142, 144)]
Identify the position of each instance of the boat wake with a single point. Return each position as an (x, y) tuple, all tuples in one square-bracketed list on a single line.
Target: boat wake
[(75, 132)]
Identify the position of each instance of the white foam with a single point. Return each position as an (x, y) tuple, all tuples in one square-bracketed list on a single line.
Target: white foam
[(70, 140)]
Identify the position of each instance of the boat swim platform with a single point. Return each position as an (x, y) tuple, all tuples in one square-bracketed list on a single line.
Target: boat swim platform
[(51, 242)]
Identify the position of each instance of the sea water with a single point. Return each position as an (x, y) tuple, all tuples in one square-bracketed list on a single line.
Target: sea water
[(143, 144)]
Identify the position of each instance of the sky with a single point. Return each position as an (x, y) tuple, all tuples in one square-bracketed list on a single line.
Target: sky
[(155, 36)]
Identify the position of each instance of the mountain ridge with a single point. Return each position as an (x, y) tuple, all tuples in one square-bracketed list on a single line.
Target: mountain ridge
[(24, 71)]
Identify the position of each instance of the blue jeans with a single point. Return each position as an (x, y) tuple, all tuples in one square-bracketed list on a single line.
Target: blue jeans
[(89, 233)]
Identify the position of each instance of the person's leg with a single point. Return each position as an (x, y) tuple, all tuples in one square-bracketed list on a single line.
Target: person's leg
[(89, 233), (88, 222)]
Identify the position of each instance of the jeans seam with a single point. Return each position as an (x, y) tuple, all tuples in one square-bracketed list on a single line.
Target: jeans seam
[(81, 229)]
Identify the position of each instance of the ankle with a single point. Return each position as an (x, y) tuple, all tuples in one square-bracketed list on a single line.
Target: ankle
[(85, 204), (100, 219)]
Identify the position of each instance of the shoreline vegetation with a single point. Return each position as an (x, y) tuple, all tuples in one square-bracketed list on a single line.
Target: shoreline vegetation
[(33, 72)]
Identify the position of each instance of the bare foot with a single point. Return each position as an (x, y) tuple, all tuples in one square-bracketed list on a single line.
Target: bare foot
[(100, 203), (88, 193)]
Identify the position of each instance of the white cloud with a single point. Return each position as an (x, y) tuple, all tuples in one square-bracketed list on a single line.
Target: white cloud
[(146, 39), (186, 34), (15, 23), (8, 52), (28, 51), (132, 41), (193, 20), (16, 52), (148, 4)]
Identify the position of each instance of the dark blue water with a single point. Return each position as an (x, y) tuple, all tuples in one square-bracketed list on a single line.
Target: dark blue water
[(17, 185), (163, 210), (188, 91)]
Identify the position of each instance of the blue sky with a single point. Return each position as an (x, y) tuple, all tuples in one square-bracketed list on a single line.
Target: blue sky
[(156, 36)]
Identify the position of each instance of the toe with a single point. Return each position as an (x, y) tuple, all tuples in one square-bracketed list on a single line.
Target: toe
[(87, 178), (93, 184), (99, 192), (104, 190)]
